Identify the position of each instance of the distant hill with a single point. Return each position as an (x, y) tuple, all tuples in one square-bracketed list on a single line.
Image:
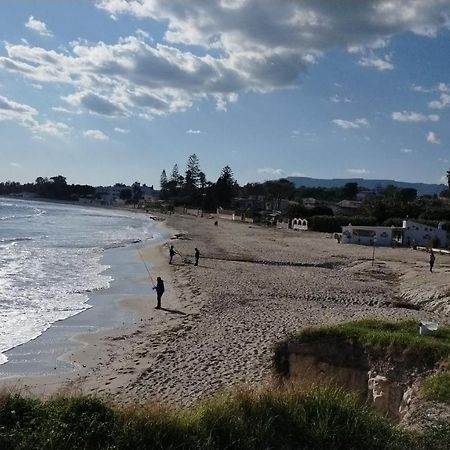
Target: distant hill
[(422, 188)]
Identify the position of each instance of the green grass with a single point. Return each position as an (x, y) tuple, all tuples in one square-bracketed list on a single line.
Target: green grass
[(437, 387), (394, 337), (248, 420)]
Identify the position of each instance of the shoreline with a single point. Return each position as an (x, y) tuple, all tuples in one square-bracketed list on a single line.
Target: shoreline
[(220, 320), (56, 356)]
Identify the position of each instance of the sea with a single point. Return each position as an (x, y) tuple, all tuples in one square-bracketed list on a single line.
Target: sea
[(51, 259)]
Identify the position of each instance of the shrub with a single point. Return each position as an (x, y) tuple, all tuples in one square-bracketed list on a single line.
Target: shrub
[(437, 387), (333, 224)]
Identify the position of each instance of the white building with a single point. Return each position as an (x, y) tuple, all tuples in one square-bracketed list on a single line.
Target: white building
[(410, 233)]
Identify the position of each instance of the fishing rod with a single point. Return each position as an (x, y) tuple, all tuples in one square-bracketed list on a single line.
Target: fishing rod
[(148, 271)]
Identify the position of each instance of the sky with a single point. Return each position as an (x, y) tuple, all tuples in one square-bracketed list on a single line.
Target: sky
[(106, 91)]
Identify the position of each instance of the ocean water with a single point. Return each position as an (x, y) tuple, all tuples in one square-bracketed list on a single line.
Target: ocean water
[(51, 258)]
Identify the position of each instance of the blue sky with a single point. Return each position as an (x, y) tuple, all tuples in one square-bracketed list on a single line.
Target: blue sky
[(115, 91)]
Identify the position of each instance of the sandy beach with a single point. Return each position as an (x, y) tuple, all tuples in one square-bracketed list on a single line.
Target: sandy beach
[(220, 320)]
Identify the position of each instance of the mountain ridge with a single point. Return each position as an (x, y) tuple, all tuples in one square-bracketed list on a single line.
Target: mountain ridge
[(422, 188)]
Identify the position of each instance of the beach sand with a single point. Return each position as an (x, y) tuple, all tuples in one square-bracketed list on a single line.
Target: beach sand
[(220, 320)]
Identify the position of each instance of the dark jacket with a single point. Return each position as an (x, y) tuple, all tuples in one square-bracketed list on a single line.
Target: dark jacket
[(160, 287)]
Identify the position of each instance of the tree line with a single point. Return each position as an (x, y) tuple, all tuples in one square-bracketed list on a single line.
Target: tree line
[(193, 189), (54, 187)]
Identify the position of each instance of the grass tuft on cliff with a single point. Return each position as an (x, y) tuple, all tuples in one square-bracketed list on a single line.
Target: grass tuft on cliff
[(245, 419), (394, 337), (437, 387)]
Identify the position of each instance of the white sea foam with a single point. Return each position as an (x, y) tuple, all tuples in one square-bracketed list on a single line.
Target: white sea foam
[(50, 258)]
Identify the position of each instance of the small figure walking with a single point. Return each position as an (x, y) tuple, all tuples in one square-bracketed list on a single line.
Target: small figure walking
[(432, 258), (172, 253), (159, 291), (197, 256)]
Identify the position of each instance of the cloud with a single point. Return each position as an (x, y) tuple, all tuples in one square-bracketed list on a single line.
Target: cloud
[(298, 174), (38, 26), (443, 102), (406, 150), (96, 134), (414, 117), (217, 50), (338, 99), (271, 171), (26, 116), (379, 63), (432, 138), (94, 103), (14, 164), (121, 130), (358, 171), (347, 124), (194, 131), (11, 110)]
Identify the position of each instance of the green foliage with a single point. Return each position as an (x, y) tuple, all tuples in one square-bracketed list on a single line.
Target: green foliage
[(332, 224), (402, 337), (264, 419), (437, 387), (435, 437), (56, 187)]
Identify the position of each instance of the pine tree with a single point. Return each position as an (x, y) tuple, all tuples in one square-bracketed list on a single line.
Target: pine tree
[(163, 180), (193, 167)]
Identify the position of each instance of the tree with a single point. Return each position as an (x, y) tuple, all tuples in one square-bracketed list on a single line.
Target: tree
[(349, 191), (448, 178), (163, 180), (407, 195), (225, 187), (125, 194), (175, 176), (193, 166), (136, 192), (202, 180)]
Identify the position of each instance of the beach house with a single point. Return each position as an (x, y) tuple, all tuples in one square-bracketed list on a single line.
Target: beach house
[(409, 234)]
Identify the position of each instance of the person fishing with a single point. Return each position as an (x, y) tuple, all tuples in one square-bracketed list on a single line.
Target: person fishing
[(172, 253), (159, 291), (432, 259), (196, 256)]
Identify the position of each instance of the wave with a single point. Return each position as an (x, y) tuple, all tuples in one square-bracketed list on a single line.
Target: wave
[(23, 216), (7, 240), (123, 243)]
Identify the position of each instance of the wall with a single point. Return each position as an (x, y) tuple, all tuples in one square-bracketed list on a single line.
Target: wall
[(419, 234)]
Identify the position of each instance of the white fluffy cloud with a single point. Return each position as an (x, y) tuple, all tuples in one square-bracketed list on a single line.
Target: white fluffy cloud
[(410, 116), (358, 171), (122, 130), (38, 26), (271, 171), (190, 131), (379, 63), (96, 134), (406, 150), (441, 103), (347, 124), (245, 45), (26, 116), (432, 138)]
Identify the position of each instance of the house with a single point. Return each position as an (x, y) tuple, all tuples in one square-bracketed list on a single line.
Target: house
[(347, 208), (108, 195), (410, 233)]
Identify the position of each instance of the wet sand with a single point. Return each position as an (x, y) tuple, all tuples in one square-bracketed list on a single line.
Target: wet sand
[(220, 320)]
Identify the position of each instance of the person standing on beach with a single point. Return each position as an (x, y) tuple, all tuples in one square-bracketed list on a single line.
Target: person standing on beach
[(197, 256), (432, 258), (172, 253), (159, 291)]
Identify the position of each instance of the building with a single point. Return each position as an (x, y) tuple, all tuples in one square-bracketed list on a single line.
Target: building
[(347, 208), (409, 234)]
